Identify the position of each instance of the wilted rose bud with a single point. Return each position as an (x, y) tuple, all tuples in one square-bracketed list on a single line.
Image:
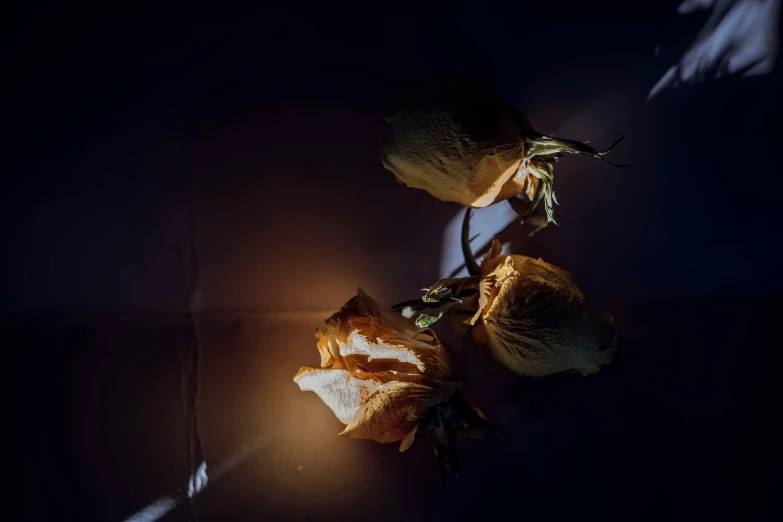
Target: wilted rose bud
[(461, 142), (535, 319), (389, 380), (530, 315)]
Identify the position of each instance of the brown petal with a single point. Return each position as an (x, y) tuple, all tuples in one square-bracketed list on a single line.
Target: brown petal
[(488, 286), (531, 188), (495, 248), (407, 442), (390, 375), (394, 410)]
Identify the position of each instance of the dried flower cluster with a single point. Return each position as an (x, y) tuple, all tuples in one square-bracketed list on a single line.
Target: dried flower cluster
[(386, 375)]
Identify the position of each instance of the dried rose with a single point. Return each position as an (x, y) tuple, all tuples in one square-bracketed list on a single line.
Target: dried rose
[(461, 142), (529, 314), (536, 320), (389, 380)]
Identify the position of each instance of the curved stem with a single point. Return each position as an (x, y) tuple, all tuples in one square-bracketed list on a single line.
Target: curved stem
[(470, 259)]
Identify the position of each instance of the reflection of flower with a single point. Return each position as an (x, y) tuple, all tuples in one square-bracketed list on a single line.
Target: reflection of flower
[(387, 379), (536, 320)]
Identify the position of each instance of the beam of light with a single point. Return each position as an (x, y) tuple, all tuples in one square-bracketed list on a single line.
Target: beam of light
[(739, 38), (156, 510), (167, 503), (191, 350)]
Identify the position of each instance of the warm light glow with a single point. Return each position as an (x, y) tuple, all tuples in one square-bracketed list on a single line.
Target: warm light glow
[(164, 505)]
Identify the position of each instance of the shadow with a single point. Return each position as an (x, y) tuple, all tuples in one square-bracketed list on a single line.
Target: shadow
[(739, 38)]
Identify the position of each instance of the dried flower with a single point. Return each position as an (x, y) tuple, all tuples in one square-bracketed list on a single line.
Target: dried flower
[(388, 380), (531, 315), (536, 320), (461, 142)]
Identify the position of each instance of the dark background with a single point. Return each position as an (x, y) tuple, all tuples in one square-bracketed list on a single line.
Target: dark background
[(254, 132)]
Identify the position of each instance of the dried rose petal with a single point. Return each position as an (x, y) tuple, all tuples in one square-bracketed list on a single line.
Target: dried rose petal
[(338, 389), (395, 409), (536, 320)]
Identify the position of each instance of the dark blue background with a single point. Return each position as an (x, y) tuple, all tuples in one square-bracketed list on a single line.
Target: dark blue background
[(114, 111)]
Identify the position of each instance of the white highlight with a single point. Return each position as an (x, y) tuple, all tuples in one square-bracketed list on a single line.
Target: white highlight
[(198, 481), (740, 36), (358, 344), (486, 222)]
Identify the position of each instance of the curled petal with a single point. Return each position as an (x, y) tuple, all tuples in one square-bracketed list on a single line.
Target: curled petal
[(366, 336), (383, 377), (494, 251), (407, 442), (330, 352), (488, 280), (338, 389), (531, 188)]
